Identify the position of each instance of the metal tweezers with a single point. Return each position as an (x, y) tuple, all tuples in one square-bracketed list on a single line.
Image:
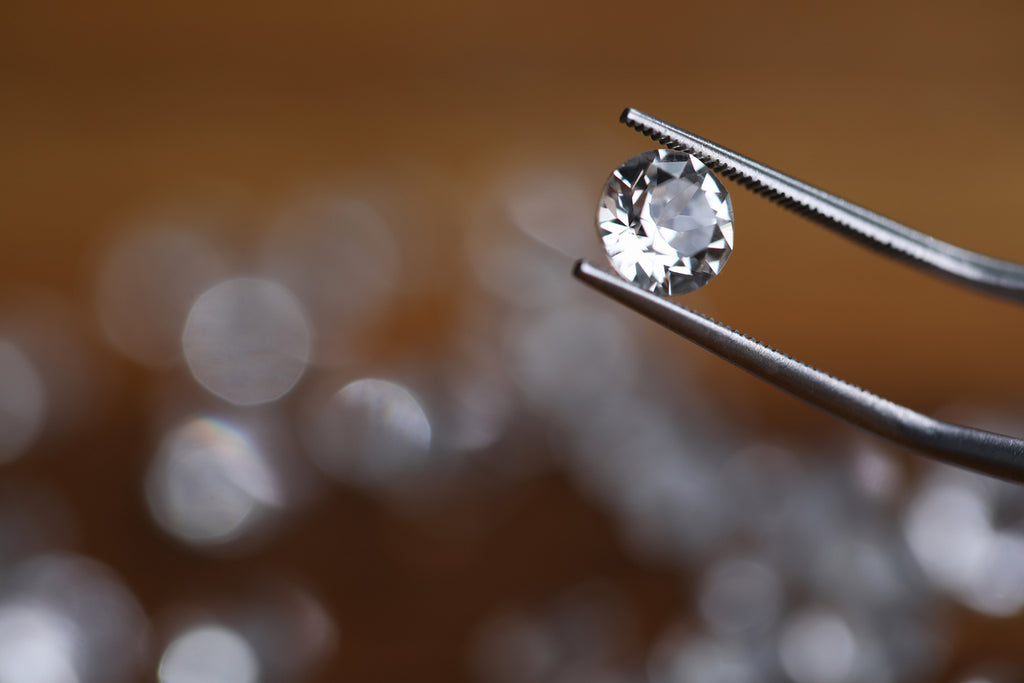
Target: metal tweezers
[(994, 454)]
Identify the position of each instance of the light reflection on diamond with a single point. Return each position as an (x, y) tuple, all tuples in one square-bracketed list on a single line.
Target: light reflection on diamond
[(666, 222), (210, 484), (247, 340)]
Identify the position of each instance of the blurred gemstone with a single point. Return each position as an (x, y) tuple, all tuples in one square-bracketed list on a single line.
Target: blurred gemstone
[(666, 222), (740, 595), (209, 653), (818, 646), (704, 658), (210, 484), (371, 433), (69, 619), (247, 340)]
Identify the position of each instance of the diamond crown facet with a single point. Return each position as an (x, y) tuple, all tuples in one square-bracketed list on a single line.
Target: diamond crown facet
[(666, 222)]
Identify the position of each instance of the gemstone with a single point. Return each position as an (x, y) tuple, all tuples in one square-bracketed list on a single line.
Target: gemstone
[(666, 222)]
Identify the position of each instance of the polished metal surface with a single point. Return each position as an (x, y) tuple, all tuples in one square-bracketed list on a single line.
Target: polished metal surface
[(994, 454)]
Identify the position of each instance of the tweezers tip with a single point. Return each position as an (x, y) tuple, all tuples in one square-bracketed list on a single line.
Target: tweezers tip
[(632, 117), (579, 269), (601, 280)]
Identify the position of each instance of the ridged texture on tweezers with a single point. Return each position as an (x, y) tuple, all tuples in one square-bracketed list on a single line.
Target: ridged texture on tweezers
[(1001, 278)]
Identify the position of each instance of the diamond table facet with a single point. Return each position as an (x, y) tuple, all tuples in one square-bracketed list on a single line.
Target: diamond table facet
[(666, 222)]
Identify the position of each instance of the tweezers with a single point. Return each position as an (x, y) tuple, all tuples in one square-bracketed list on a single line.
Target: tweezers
[(987, 452)]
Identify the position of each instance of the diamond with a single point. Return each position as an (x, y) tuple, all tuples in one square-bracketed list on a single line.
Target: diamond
[(666, 222)]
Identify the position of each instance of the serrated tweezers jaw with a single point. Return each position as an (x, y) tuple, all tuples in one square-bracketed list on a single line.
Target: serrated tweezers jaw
[(1001, 278)]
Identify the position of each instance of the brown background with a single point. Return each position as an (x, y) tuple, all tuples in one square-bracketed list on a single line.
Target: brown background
[(914, 110)]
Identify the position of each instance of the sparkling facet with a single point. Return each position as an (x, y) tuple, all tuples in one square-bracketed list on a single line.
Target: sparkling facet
[(666, 222)]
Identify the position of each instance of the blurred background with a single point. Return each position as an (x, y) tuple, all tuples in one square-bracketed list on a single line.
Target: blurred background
[(295, 384)]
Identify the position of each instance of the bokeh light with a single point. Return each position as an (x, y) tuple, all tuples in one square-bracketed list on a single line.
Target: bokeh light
[(565, 358), (948, 527), (36, 645), (210, 484), (147, 283), (23, 402), (247, 340), (740, 594), (339, 256), (69, 619), (354, 419), (818, 646), (371, 432), (956, 528), (705, 658), (578, 635), (520, 264), (209, 653)]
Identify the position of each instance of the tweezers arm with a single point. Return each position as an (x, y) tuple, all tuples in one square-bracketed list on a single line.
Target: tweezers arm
[(1002, 278), (993, 454)]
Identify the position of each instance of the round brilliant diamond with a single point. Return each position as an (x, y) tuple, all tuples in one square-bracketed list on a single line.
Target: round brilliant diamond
[(666, 222)]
